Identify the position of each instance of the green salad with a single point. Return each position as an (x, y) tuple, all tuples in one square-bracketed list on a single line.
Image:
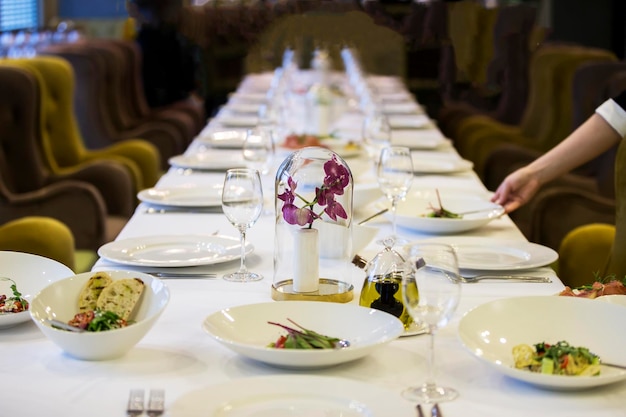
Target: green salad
[(560, 358)]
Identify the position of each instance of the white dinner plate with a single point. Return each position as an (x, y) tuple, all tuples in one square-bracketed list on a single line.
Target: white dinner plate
[(439, 163), (241, 107), (491, 330), (173, 251), (237, 120), (409, 121), (31, 273), (618, 299), (183, 196), (412, 213), (250, 97), (292, 396), (245, 330), (407, 107), (224, 139), (343, 148), (213, 160), (418, 139), (487, 254)]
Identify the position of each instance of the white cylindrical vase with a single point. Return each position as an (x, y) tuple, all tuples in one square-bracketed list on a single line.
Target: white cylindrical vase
[(306, 274)]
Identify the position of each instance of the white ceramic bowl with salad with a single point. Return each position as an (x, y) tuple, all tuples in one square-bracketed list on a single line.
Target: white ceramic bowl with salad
[(30, 273), (59, 301), (246, 330), (491, 331)]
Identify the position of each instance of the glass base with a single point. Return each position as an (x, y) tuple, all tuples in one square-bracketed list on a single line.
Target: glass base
[(430, 394), (243, 277), (329, 290)]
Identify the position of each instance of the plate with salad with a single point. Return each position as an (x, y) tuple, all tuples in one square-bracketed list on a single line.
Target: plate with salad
[(302, 334), (549, 342), (22, 276), (446, 212)]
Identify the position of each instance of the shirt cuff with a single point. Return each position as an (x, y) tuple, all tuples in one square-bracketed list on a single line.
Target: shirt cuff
[(614, 115)]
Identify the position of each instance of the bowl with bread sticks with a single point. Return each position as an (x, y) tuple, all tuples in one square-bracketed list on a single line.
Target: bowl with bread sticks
[(99, 315)]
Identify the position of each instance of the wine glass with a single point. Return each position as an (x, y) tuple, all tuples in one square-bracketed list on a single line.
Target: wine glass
[(258, 148), (376, 134), (395, 175), (431, 294), (242, 202)]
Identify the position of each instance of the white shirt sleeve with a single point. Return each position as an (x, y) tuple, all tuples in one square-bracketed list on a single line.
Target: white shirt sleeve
[(614, 115)]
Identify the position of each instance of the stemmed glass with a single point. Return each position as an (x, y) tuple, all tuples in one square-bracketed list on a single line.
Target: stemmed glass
[(395, 175), (242, 202), (431, 295), (376, 134), (258, 148)]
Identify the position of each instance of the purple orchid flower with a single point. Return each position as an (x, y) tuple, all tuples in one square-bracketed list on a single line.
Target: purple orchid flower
[(336, 179)]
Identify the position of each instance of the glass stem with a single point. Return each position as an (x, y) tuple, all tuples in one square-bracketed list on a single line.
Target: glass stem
[(242, 265), (429, 384), (394, 204)]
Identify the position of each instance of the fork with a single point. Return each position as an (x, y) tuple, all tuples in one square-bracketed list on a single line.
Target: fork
[(434, 411), (522, 278), (201, 275), (156, 403), (135, 403)]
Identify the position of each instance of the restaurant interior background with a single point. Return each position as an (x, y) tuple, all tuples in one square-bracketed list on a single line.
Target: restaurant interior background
[(598, 23)]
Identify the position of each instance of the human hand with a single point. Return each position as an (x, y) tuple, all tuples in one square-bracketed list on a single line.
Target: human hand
[(516, 189)]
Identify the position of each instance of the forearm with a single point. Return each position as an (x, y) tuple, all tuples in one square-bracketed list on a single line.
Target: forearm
[(591, 139)]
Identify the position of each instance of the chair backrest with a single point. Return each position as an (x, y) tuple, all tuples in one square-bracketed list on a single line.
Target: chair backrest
[(548, 114), (512, 19), (91, 111), (617, 260), (60, 136), (463, 28), (381, 49), (550, 136), (21, 165)]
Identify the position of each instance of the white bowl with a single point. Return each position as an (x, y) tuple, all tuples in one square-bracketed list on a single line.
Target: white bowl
[(412, 213), (245, 330), (31, 273), (59, 301), (491, 330)]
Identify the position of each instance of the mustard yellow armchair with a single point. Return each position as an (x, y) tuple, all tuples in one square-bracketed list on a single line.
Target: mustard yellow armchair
[(62, 143), (598, 247), (547, 118), (43, 236), (94, 199)]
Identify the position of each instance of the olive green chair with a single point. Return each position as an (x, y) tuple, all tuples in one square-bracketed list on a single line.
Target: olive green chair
[(597, 249), (43, 236), (547, 118), (61, 139)]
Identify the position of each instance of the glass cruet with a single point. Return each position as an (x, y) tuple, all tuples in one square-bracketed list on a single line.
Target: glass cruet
[(383, 283)]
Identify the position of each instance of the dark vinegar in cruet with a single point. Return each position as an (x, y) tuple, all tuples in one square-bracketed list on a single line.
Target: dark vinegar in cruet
[(385, 295)]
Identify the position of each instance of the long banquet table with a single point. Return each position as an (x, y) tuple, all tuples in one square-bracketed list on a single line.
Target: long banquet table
[(178, 356)]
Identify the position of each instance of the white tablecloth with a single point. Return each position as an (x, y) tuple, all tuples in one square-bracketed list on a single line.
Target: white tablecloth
[(178, 356)]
